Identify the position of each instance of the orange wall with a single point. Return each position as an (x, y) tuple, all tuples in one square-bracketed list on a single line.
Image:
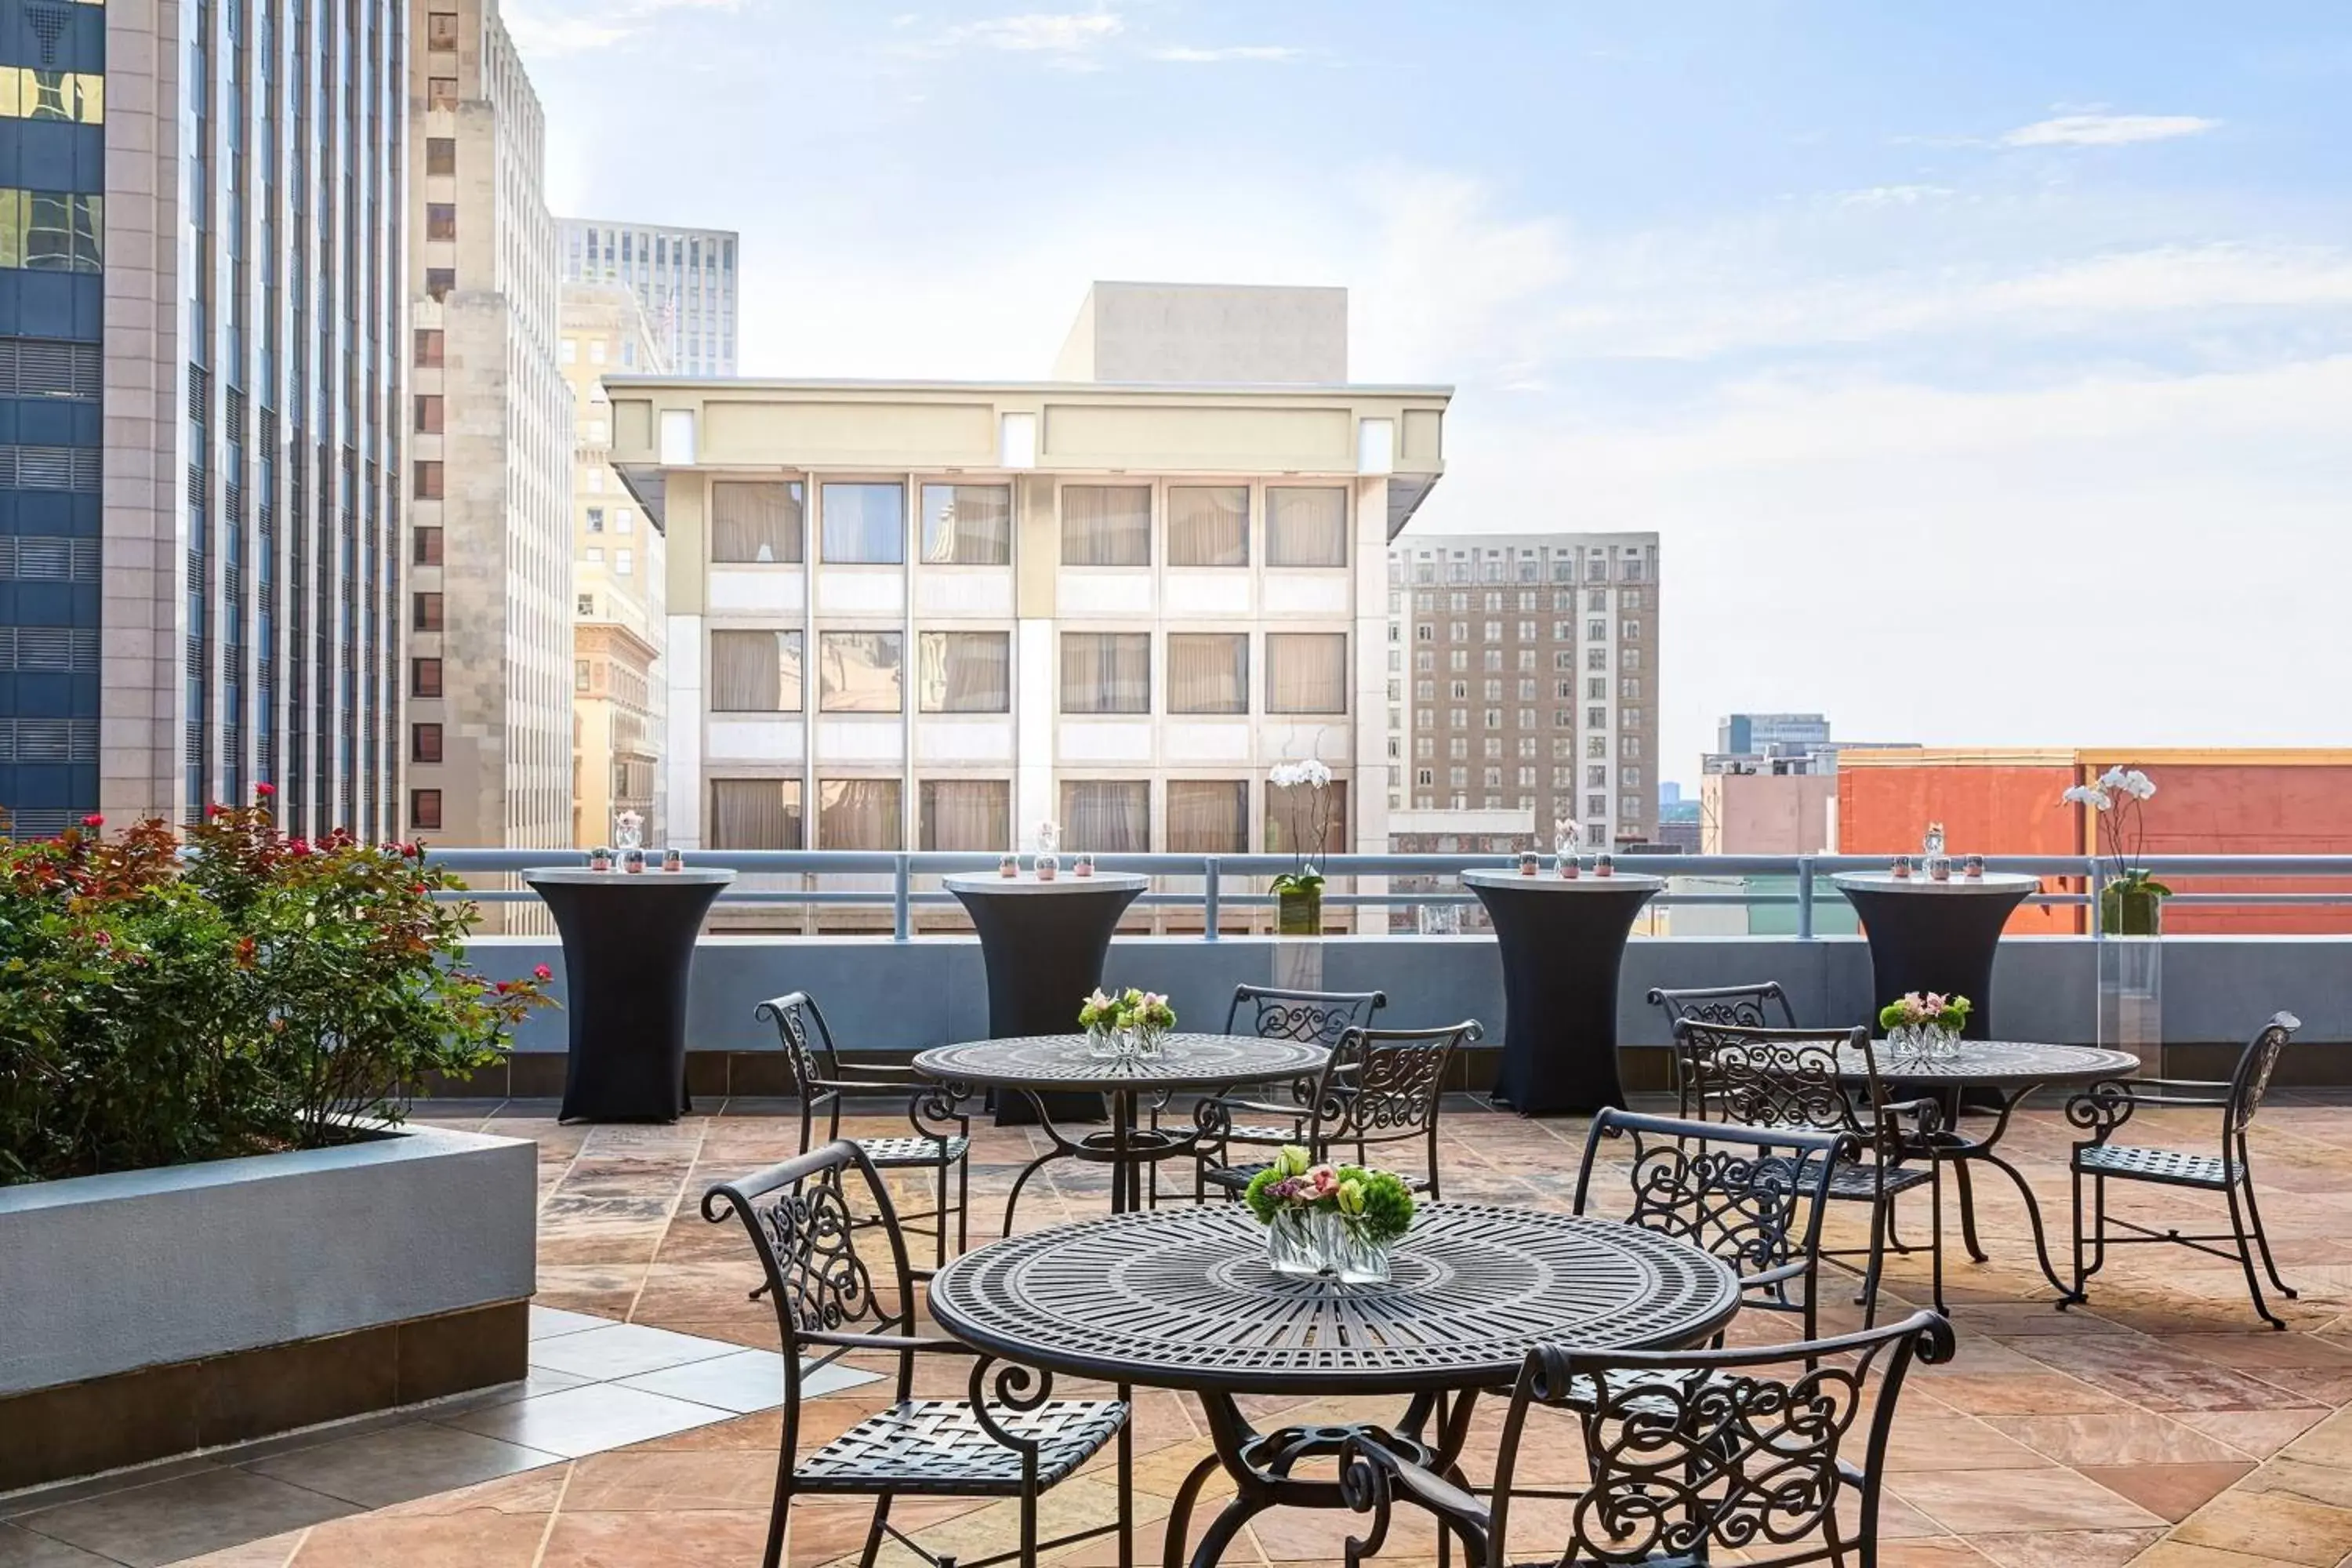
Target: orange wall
[(1992, 808)]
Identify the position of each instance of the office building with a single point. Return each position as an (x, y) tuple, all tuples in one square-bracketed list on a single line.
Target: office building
[(1528, 669), (934, 614), (490, 720), (199, 506), (619, 694), (1786, 744), (685, 279)]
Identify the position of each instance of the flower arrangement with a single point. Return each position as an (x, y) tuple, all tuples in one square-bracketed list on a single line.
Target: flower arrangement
[(2130, 902), (1129, 1023), (1375, 1206), (1300, 889), (1924, 1009)]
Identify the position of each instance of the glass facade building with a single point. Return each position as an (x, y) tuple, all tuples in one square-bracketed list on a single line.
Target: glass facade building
[(685, 279)]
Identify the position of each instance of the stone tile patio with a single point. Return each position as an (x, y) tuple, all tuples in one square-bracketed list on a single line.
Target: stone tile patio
[(2162, 1425)]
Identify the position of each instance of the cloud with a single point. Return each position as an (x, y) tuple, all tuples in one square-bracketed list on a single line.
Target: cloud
[(1893, 195), (597, 26), (1191, 55), (1066, 38), (2107, 130)]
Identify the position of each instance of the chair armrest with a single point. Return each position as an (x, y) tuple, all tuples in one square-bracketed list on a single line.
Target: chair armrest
[(2103, 1107), (1372, 1477), (1292, 1113), (894, 1343)]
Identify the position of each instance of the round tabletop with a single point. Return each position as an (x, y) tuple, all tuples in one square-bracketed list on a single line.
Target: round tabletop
[(993, 882), (1552, 882), (1996, 1064), (1920, 882), (1183, 1298), (1063, 1061), (652, 876)]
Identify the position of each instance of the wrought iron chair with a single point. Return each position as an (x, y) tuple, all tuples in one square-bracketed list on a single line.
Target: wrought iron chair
[(1008, 1439), (1790, 1078), (1379, 1086), (1690, 1453), (1752, 1196), (1763, 1005), (941, 1139), (1318, 1018), (2102, 1109)]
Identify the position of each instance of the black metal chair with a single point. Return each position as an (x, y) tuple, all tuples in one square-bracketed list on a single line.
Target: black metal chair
[(940, 1141), (1008, 1439), (1761, 1006), (1790, 1078), (1752, 1196), (2103, 1109), (1377, 1087), (1689, 1453)]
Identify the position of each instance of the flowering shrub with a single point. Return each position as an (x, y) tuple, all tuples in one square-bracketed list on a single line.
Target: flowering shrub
[(1377, 1203), (163, 1001)]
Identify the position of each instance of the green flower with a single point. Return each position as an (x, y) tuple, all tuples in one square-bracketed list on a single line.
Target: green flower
[(1290, 1160), (1261, 1201)]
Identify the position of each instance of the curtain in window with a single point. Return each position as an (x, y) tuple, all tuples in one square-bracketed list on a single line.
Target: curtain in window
[(755, 813), (966, 813), (1307, 672), (1208, 525), (1290, 810), (859, 672), (857, 813), (967, 672), (1107, 817), (755, 672), (755, 521), (1306, 527), (1208, 672), (967, 525), (864, 524), (1105, 525), (1208, 816), (1105, 672)]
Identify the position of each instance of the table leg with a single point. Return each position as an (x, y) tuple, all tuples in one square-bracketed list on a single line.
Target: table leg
[(1960, 1153)]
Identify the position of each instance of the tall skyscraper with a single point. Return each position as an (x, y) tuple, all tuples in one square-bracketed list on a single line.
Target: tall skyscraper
[(685, 279), (1528, 665), (200, 367), (489, 731)]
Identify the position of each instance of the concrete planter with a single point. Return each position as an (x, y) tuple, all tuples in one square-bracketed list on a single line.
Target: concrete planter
[(149, 1312)]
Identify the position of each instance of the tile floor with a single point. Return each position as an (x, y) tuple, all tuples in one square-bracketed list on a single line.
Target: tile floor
[(2161, 1426)]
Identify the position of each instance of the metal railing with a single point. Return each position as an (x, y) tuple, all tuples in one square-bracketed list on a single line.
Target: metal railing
[(1810, 873)]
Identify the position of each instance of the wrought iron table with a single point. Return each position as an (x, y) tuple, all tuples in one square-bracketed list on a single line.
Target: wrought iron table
[(1562, 943), (2007, 1071), (1045, 1068), (628, 955), (1926, 935), (1182, 1299), (1043, 944)]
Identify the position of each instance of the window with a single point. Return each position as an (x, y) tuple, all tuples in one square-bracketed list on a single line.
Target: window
[(441, 92), (595, 520), (755, 521), (1596, 745), (1208, 525), (568, 351), (1527, 631), (1629, 806), (1493, 631), (1629, 598), (427, 550), (967, 525), (967, 672), (579, 675), (427, 613), (858, 672), (1596, 687), (1492, 660), (441, 29), (596, 556), (862, 525), (964, 813), (625, 520), (29, 93), (755, 813), (424, 809), (1423, 632), (425, 678), (428, 413), (755, 672), (48, 231), (1597, 776), (440, 154), (439, 281), (424, 743), (1596, 658), (1629, 778), (1307, 672), (1208, 672), (1596, 805), (586, 604), (595, 350), (1105, 525), (1632, 660), (1105, 816), (1596, 598), (859, 814), (625, 561), (1289, 819), (428, 479), (1208, 816), (1629, 629), (1596, 717), (428, 348), (440, 220), (1105, 672)]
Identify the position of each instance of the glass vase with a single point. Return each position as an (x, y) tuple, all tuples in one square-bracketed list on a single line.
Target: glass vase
[(2131, 988), (1103, 1043), (1149, 1040), (1323, 1244), (1300, 912)]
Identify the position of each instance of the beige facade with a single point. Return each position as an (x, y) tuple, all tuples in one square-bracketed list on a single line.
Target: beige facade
[(934, 614), (619, 692), (489, 711), (1768, 813), (1522, 674), (1187, 333)]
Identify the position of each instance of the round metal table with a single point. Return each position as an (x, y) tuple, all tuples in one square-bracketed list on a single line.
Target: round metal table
[(2007, 1071), (1562, 941), (1183, 1299), (1926, 935), (1048, 1067)]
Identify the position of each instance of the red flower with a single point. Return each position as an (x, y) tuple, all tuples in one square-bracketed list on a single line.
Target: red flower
[(543, 973), (264, 790), (93, 820), (505, 986), (215, 809), (297, 847)]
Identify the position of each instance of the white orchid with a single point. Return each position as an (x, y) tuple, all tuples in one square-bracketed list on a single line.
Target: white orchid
[(2113, 778), (2088, 795), (2138, 785)]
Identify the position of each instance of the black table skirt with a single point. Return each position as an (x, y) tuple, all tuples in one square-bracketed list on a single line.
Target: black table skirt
[(628, 960), (1044, 952), (1934, 941), (1561, 952)]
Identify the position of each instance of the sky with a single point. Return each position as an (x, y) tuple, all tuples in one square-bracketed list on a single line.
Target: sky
[(1986, 370)]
